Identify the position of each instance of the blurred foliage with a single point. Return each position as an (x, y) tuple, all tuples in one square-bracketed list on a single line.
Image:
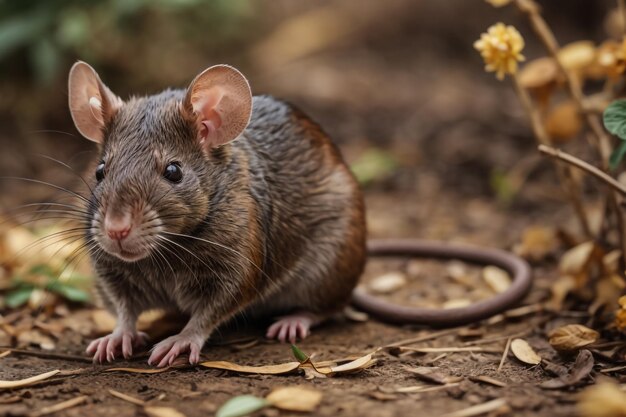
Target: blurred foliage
[(51, 33), (160, 42)]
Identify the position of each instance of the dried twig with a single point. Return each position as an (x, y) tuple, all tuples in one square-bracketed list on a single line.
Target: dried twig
[(579, 163), (505, 353), (59, 407), (50, 355)]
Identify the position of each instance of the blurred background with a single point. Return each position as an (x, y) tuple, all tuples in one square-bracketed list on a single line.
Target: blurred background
[(397, 84)]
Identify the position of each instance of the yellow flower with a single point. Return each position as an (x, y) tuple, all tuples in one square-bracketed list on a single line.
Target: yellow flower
[(501, 49), (498, 3)]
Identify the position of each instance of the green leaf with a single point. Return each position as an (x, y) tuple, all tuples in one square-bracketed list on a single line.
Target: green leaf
[(300, 355), (617, 156), (241, 405), (615, 118), (69, 292), (374, 164), (18, 297), (502, 186)]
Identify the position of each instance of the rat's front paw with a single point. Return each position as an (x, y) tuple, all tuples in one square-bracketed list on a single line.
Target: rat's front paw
[(164, 353), (120, 341)]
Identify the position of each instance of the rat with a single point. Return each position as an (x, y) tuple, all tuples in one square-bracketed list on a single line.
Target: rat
[(214, 203)]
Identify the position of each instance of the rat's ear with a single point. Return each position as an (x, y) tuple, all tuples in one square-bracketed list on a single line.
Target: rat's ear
[(219, 100), (92, 104)]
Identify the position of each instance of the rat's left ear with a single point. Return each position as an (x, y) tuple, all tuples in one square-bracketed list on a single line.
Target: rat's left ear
[(220, 102)]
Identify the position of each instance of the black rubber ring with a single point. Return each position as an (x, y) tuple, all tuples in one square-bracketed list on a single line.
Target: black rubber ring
[(517, 267)]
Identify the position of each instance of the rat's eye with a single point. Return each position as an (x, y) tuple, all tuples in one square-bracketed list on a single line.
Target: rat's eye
[(100, 171), (173, 172)]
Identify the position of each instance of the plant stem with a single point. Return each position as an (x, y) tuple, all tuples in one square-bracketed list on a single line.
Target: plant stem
[(568, 184), (579, 163)]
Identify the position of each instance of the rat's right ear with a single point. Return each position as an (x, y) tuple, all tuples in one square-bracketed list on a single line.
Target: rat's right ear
[(92, 104)]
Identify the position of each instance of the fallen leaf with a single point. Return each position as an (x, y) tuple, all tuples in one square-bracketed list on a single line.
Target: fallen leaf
[(27, 381), (537, 243), (241, 405), (295, 399), (388, 283), (580, 370), (456, 303), (429, 374), (37, 338), (127, 398), (355, 315), (604, 399), (5, 353), (162, 412), (574, 261), (382, 396), (572, 337), (359, 364), (59, 407), (524, 352), (479, 409), (283, 368), (496, 278), (488, 380)]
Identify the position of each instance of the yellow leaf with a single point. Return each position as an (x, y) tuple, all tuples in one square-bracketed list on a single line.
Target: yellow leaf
[(602, 400), (162, 412), (572, 337), (564, 121), (388, 283), (295, 399), (537, 242), (574, 261), (577, 55), (497, 279), (27, 381), (524, 352), (283, 368)]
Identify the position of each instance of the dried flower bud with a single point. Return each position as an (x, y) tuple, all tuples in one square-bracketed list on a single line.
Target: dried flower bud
[(501, 48)]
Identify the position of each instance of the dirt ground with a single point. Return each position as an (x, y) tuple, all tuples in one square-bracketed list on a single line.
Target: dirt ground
[(422, 96)]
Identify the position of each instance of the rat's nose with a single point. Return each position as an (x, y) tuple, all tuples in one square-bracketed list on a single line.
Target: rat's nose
[(118, 227)]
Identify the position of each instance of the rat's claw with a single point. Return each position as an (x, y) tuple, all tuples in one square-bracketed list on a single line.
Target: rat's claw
[(120, 341), (165, 353), (292, 327)]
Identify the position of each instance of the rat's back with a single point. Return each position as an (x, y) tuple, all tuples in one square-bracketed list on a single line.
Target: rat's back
[(313, 215)]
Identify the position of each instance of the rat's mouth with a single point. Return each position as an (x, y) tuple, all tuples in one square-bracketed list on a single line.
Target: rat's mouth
[(126, 252)]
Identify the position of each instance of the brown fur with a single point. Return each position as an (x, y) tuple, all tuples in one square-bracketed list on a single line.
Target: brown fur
[(269, 223)]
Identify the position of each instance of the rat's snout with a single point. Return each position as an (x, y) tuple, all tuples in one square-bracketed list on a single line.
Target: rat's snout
[(118, 227)]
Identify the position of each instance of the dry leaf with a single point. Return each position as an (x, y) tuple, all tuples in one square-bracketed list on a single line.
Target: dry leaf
[(604, 399), (355, 315), (125, 397), (456, 303), (429, 374), (620, 315), (488, 380), (574, 261), (524, 352), (572, 337), (359, 364), (564, 121), (538, 73), (53, 409), (579, 371), (560, 289), (162, 412), (28, 381), (387, 283), (577, 55), (479, 409), (295, 399), (497, 278), (537, 243), (35, 337), (283, 368)]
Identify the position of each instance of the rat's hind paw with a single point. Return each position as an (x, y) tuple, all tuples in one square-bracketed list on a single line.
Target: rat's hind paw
[(291, 327), (120, 341), (164, 353)]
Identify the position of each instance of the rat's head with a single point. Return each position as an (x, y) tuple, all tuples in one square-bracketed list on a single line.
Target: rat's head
[(152, 177)]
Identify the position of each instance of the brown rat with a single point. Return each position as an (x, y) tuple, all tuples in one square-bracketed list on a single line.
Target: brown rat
[(214, 203)]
